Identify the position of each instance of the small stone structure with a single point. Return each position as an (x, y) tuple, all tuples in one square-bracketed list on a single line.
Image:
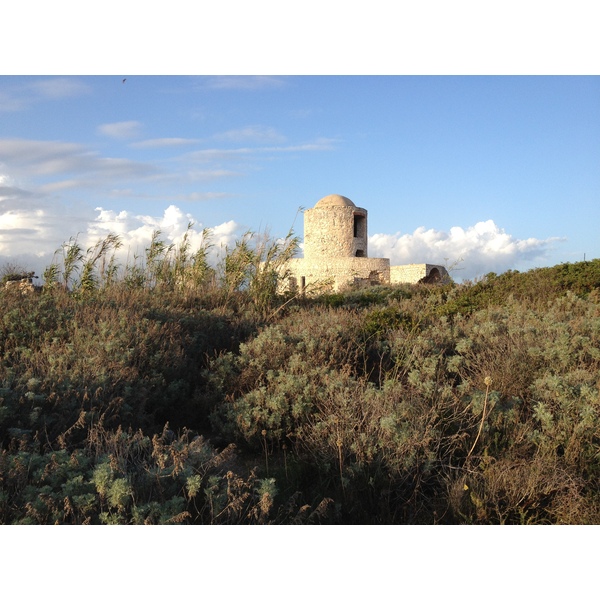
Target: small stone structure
[(336, 253), (23, 285), (418, 273)]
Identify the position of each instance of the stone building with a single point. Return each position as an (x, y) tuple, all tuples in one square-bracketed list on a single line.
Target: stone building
[(23, 285), (336, 253)]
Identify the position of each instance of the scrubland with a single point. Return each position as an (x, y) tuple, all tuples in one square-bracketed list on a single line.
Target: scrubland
[(172, 392)]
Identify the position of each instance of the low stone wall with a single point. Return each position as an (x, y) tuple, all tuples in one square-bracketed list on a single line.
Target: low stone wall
[(23, 286), (334, 274), (416, 273)]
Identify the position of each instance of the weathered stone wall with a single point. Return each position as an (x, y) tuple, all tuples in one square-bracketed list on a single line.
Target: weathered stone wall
[(335, 231), (23, 286), (416, 272), (337, 273)]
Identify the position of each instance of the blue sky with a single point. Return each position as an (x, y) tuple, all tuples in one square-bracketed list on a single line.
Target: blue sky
[(495, 172), (468, 130)]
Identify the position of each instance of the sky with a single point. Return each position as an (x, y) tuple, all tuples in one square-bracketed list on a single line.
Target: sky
[(469, 131), (479, 173)]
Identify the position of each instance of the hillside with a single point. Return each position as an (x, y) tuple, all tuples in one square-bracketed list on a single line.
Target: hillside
[(173, 394)]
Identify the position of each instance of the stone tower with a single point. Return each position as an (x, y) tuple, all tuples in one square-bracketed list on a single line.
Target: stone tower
[(335, 248), (335, 253), (335, 228)]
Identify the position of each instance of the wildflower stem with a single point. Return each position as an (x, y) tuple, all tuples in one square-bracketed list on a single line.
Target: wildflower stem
[(488, 382)]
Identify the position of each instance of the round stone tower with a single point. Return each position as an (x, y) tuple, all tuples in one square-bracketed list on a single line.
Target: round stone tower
[(335, 228)]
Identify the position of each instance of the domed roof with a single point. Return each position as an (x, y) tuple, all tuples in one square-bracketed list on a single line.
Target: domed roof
[(334, 200)]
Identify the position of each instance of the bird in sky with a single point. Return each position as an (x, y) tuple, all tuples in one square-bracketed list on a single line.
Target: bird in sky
[(124, 80)]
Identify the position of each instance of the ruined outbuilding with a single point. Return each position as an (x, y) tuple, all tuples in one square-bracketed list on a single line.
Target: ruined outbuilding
[(336, 253), (22, 285)]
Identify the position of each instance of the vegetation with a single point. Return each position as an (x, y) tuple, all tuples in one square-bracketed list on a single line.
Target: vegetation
[(170, 391)]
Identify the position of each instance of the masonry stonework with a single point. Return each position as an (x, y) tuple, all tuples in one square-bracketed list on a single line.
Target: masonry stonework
[(336, 252), (416, 273)]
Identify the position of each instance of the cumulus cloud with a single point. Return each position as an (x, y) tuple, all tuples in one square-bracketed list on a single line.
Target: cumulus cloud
[(135, 231), (473, 251), (33, 226), (122, 130), (30, 237)]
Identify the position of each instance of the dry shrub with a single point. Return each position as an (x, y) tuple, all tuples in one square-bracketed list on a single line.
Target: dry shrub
[(508, 491)]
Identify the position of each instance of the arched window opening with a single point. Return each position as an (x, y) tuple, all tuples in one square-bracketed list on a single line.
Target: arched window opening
[(360, 226)]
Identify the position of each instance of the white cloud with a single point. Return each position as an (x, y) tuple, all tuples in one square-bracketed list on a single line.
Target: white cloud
[(136, 231), (13, 197), (122, 130), (59, 186), (35, 158), (42, 157), (210, 175), (33, 227), (251, 133), (11, 102), (30, 237), (164, 143), (59, 88), (319, 145), (201, 196), (473, 251), (304, 113), (244, 82), (210, 154), (61, 168), (21, 96)]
